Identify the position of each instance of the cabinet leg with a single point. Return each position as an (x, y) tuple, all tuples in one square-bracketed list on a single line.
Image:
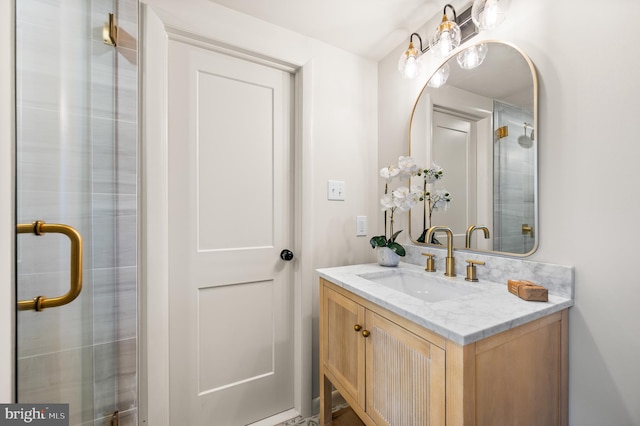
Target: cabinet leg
[(325, 401)]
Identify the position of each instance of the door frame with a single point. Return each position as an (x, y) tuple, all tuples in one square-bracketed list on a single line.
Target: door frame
[(157, 28), (7, 201)]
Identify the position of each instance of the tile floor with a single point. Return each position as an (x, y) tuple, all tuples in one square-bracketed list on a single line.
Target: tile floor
[(309, 421)]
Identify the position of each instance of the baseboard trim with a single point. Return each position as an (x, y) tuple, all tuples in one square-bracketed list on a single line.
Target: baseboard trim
[(278, 418)]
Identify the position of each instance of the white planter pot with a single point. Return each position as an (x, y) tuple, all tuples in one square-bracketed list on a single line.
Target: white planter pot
[(387, 257)]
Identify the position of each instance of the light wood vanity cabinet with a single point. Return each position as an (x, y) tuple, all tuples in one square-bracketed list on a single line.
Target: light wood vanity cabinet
[(343, 350), (404, 374), (383, 368)]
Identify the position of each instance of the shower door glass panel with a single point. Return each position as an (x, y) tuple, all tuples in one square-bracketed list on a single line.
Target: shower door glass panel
[(514, 179), (76, 164)]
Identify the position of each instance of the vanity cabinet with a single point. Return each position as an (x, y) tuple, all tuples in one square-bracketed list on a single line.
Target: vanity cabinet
[(392, 371), (393, 375)]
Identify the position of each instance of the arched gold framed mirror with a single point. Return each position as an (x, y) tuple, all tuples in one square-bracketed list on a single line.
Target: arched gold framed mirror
[(481, 128)]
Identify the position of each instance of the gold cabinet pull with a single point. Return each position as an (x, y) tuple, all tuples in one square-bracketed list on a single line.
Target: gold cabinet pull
[(366, 333), (75, 287), (357, 327)]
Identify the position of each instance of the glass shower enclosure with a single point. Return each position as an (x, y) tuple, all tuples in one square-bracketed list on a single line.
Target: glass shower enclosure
[(514, 179), (76, 166)]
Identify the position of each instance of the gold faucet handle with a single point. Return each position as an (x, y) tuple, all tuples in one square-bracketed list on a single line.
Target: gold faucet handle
[(471, 270), (430, 267)]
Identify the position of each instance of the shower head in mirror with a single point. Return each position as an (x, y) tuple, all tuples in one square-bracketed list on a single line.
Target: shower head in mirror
[(524, 140)]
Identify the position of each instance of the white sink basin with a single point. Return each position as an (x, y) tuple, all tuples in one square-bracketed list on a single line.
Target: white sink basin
[(428, 287)]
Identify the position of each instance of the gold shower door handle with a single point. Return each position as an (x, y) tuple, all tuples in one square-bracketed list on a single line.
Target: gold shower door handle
[(75, 287)]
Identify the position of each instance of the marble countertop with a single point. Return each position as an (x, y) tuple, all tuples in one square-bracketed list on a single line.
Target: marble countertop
[(464, 319)]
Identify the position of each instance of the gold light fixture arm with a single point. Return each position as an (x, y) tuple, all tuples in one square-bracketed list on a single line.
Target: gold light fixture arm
[(75, 287), (110, 31)]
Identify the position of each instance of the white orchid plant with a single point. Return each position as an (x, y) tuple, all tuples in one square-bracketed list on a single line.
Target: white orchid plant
[(404, 198), (436, 200)]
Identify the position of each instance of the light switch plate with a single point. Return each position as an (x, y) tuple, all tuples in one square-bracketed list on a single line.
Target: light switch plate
[(335, 190)]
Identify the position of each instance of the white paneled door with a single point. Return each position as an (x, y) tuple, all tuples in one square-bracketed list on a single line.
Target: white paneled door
[(454, 149), (230, 217)]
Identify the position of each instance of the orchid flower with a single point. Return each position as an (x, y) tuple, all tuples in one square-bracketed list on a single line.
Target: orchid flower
[(388, 173), (408, 167), (433, 174), (387, 202), (441, 199)]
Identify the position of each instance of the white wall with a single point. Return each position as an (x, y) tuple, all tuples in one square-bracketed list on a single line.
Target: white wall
[(589, 191)]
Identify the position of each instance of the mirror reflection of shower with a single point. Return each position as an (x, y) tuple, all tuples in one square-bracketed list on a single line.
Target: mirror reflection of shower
[(513, 180)]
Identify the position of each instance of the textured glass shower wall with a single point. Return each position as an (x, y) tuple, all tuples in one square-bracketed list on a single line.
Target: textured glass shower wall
[(77, 164), (514, 187)]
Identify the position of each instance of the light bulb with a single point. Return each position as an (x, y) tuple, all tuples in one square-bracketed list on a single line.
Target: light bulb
[(488, 14), (410, 68), (446, 38), (492, 16), (409, 62), (472, 56), (439, 78), (445, 45)]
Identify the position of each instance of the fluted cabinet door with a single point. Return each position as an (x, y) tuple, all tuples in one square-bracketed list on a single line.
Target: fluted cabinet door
[(405, 376), (344, 345)]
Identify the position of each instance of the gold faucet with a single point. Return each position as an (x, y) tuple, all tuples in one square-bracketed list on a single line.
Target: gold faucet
[(430, 267), (451, 263), (471, 270), (467, 240)]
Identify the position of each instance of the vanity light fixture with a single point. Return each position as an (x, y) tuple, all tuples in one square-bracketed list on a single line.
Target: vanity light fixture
[(447, 36), (488, 14), (411, 60), (458, 31)]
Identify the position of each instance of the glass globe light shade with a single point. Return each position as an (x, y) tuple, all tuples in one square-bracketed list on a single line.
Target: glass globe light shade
[(446, 38), (440, 77), (472, 56), (488, 14), (410, 62)]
